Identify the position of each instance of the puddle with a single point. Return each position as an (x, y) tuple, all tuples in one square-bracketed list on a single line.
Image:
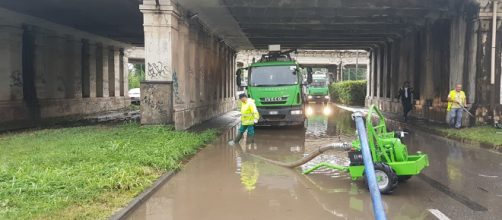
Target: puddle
[(222, 182)]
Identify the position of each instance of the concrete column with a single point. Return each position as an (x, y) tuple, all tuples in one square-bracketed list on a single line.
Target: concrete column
[(111, 71), (72, 74), (385, 71), (394, 74), (117, 63), (379, 63), (99, 80), (183, 73), (55, 50), (11, 79), (160, 27), (457, 50), (368, 76), (472, 64), (374, 66), (192, 68), (217, 72), (105, 70), (125, 75), (86, 78)]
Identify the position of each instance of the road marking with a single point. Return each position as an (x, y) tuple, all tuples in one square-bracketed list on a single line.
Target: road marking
[(487, 176), (438, 214)]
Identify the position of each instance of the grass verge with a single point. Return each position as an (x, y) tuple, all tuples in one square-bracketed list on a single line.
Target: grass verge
[(86, 172), (481, 134)]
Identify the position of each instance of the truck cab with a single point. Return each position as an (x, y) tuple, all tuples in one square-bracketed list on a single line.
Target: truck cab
[(318, 90), (275, 82)]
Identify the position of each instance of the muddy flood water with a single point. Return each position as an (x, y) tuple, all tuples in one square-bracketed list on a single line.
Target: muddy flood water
[(223, 182)]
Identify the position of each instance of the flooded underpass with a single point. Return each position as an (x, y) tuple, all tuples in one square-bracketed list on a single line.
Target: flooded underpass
[(226, 182)]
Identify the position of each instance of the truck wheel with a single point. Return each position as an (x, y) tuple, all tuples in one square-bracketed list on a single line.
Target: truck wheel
[(403, 178), (386, 178)]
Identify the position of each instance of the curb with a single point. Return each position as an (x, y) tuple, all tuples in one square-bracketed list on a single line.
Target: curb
[(145, 195)]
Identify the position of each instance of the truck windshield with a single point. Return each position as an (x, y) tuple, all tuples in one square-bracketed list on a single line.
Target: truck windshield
[(273, 76), (318, 83)]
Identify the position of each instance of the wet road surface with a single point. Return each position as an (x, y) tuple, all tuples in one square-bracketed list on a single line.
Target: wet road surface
[(223, 182)]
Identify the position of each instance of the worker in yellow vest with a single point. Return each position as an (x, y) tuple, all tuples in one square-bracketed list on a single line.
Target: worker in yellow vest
[(249, 117), (456, 104)]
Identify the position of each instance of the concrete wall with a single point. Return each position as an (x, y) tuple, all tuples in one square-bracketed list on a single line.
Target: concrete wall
[(190, 74), (50, 71), (435, 57)]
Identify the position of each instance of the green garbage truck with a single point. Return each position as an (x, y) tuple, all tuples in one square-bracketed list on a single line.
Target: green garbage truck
[(318, 90), (276, 83)]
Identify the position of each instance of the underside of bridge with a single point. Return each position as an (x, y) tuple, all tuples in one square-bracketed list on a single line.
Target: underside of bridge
[(190, 50)]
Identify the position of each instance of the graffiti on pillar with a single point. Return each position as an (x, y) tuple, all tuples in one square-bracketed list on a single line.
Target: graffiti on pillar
[(157, 70), (177, 98), (16, 79)]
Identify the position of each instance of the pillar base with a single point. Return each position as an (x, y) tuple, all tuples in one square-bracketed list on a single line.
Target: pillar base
[(156, 102)]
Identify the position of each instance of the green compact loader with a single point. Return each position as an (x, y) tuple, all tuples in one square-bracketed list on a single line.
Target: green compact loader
[(390, 156)]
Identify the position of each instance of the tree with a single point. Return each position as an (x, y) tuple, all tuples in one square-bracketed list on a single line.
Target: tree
[(136, 75)]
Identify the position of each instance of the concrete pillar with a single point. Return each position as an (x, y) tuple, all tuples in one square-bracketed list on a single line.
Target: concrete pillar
[(368, 76), (72, 74), (105, 70), (457, 50), (183, 74), (86, 75), (41, 60), (99, 80), (55, 83), (385, 71), (117, 63), (111, 71), (125, 75), (374, 74), (472, 64), (394, 73), (160, 27), (379, 69), (122, 70), (11, 79)]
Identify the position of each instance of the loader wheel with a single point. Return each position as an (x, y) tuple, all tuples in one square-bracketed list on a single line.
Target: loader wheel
[(386, 178), (403, 178)]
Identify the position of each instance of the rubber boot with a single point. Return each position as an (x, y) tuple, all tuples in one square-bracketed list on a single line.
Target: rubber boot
[(250, 142), (236, 140)]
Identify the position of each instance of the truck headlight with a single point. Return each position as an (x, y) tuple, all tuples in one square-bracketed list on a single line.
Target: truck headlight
[(310, 97), (296, 112), (326, 97)]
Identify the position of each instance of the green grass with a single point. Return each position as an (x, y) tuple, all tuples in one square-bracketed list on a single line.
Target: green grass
[(482, 134), (86, 172)]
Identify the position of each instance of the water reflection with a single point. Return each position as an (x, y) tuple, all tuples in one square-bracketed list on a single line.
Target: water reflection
[(224, 182)]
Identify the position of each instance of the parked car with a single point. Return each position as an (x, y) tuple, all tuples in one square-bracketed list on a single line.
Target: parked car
[(135, 95)]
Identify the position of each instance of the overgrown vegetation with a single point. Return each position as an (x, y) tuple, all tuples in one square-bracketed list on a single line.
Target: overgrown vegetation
[(86, 172), (136, 75), (349, 92), (482, 134)]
